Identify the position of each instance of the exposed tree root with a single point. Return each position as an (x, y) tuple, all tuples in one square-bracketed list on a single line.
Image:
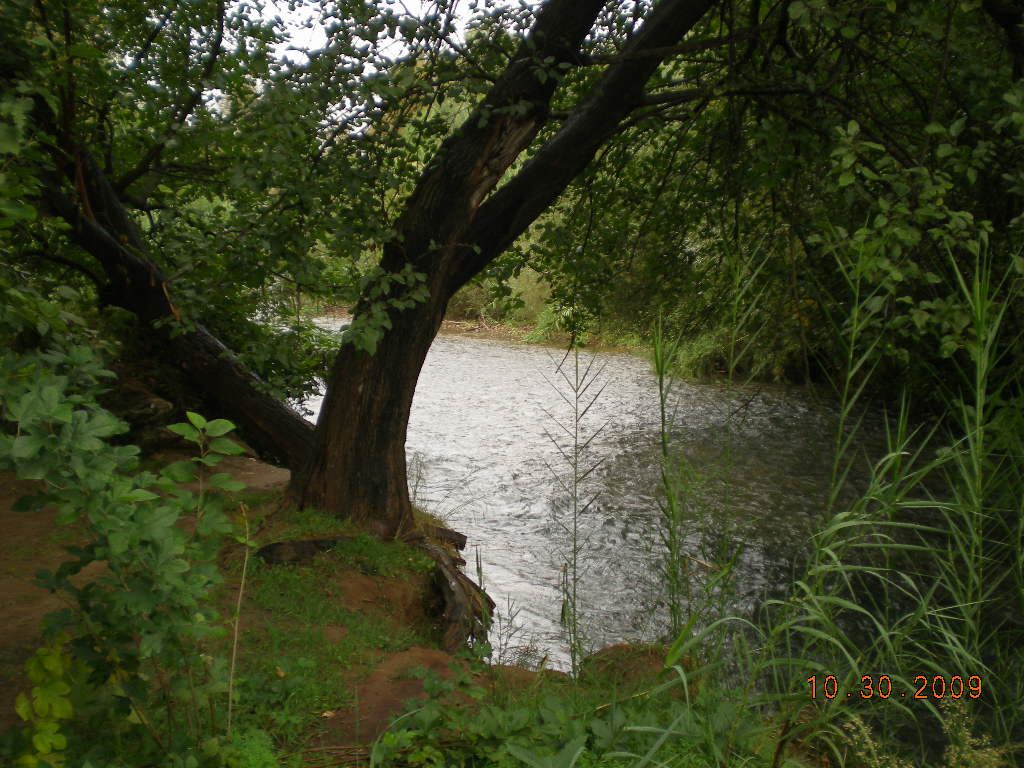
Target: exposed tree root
[(467, 608)]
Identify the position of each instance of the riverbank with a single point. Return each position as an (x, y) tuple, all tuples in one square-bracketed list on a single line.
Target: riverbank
[(516, 332), (340, 651), (341, 658)]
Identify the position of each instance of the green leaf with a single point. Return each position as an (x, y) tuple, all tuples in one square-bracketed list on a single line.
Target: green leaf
[(85, 51), (187, 431), (10, 139), (225, 446), (177, 565), (62, 709), (219, 427), (15, 210), (139, 495), (23, 707), (797, 10), (566, 757), (224, 482), (180, 471), (197, 421), (26, 446), (118, 542), (158, 519)]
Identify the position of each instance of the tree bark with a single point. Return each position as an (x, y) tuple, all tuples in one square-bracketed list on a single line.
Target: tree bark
[(357, 467), (1009, 15), (451, 230)]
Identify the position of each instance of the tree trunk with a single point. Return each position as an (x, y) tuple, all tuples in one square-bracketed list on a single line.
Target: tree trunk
[(102, 227), (451, 230), (274, 430), (357, 467)]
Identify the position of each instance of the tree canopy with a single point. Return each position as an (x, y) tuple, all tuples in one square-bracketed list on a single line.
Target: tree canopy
[(814, 191), (643, 159)]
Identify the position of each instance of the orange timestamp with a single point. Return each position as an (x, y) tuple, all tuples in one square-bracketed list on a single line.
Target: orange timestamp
[(881, 687)]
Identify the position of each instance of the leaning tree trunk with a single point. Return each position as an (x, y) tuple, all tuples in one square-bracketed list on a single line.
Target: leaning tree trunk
[(101, 226), (357, 467), (452, 227)]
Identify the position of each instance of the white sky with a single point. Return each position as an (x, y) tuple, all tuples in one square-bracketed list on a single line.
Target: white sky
[(307, 33)]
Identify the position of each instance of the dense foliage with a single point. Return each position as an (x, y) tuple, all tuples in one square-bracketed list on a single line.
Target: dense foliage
[(128, 658), (809, 191), (883, 134)]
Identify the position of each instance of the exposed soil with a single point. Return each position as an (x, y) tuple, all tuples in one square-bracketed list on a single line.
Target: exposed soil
[(30, 542), (478, 328), (382, 687), (403, 679), (404, 602), (629, 668), (386, 692), (257, 475), (625, 667)]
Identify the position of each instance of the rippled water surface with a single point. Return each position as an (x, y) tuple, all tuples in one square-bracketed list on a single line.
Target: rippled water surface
[(484, 454)]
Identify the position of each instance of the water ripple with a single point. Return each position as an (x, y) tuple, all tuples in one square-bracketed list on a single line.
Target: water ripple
[(481, 456)]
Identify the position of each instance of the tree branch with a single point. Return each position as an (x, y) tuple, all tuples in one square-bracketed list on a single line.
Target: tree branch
[(182, 112), (510, 210), (71, 263), (680, 96), (137, 284), (470, 162), (104, 111), (690, 46)]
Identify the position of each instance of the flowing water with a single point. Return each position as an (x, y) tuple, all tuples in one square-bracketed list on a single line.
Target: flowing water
[(487, 454)]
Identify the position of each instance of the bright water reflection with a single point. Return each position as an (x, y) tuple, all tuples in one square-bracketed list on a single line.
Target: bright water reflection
[(482, 457)]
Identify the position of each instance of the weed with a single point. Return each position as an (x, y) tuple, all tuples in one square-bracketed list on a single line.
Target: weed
[(573, 439)]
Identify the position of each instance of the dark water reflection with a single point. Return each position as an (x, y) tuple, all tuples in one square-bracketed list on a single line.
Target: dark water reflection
[(482, 456)]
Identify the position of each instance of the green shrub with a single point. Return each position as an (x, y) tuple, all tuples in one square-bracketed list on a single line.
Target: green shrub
[(127, 675)]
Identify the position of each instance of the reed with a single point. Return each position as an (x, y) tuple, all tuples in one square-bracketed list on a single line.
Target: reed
[(579, 385), (921, 577)]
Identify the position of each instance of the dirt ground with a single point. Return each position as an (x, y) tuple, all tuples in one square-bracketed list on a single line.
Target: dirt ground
[(382, 688), (30, 542)]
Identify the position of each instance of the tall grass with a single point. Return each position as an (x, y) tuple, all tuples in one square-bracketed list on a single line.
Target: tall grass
[(696, 586), (579, 387), (676, 476), (921, 576), (914, 579)]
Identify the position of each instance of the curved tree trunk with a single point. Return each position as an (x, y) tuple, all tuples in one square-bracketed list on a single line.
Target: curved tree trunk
[(357, 467), (452, 228), (454, 225)]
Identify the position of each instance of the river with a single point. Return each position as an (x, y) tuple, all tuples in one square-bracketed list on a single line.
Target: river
[(486, 454)]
